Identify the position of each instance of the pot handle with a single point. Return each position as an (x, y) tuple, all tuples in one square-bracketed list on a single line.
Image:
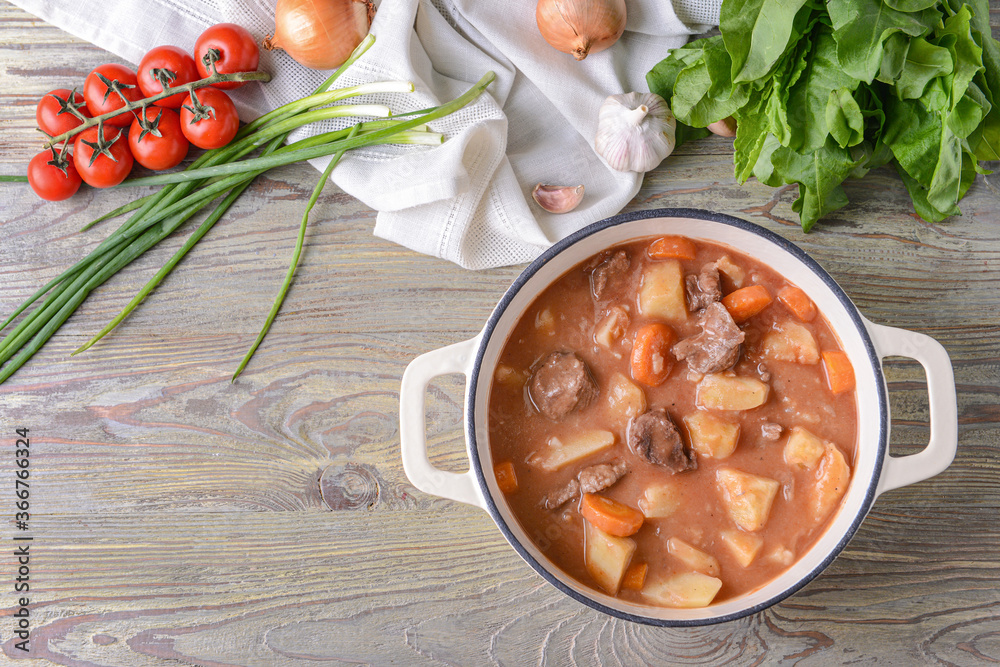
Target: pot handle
[(457, 358), (899, 471)]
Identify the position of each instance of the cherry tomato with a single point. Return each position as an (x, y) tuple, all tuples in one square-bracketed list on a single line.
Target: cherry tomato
[(102, 100), (102, 156), (230, 47), (170, 64), (54, 112), (158, 142), (53, 176), (209, 118)]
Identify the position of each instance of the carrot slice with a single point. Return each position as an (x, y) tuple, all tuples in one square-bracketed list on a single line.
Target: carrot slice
[(839, 371), (797, 302), (635, 576), (651, 361), (506, 478), (746, 302), (672, 247), (611, 516)]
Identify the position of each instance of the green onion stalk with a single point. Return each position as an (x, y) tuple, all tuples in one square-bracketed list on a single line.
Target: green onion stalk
[(221, 174)]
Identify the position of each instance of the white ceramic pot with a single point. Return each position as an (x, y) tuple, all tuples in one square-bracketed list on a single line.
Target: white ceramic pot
[(865, 343)]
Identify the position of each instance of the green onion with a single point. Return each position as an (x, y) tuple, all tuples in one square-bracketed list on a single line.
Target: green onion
[(300, 241), (121, 210), (221, 174)]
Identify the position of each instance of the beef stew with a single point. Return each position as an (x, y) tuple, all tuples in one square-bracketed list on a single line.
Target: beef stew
[(663, 426)]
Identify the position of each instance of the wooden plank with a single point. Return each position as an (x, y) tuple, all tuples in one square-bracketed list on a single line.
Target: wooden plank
[(262, 588)]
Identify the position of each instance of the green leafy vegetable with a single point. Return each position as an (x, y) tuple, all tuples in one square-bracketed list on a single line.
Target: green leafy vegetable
[(823, 91)]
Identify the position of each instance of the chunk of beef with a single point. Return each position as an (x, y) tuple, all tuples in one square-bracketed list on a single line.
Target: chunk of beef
[(601, 476), (602, 274), (717, 347), (654, 437), (770, 430), (559, 497), (589, 480), (703, 289), (561, 384)]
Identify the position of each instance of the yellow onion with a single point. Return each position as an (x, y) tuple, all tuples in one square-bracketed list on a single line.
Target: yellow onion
[(320, 34), (579, 27)]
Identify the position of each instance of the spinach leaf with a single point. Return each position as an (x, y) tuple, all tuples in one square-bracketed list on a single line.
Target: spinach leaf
[(893, 57), (819, 175), (987, 146), (911, 5), (918, 195), (924, 62), (663, 76), (751, 131), (861, 27), (809, 97), (844, 119), (759, 32), (704, 92)]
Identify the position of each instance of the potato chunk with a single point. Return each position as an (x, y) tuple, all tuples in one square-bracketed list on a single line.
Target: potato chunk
[(662, 292), (689, 589), (610, 329), (694, 558), (747, 497), (833, 477), (556, 453), (735, 273), (803, 449), (510, 376), (660, 501), (781, 555), (743, 546), (711, 436), (626, 399), (791, 342), (607, 557), (545, 321), (730, 392)]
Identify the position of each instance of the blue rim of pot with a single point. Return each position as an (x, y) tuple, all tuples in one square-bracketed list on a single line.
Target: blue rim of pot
[(697, 214)]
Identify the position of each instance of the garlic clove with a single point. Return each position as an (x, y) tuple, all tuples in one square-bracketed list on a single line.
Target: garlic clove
[(635, 131), (557, 198), (724, 128)]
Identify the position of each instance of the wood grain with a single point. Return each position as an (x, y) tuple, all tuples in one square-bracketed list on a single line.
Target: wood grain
[(183, 519)]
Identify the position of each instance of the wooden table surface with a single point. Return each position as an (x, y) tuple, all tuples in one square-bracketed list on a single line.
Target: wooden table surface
[(181, 519)]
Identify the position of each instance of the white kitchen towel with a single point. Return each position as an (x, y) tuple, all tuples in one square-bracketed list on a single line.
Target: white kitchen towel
[(469, 200)]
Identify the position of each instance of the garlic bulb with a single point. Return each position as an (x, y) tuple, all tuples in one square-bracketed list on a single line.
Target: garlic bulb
[(635, 131)]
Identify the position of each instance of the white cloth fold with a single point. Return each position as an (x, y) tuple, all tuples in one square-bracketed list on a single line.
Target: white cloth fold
[(468, 200)]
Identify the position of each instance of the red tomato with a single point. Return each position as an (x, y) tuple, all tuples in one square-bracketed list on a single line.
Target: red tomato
[(210, 120), (102, 100), (158, 143), (53, 176), (170, 64), (230, 48), (55, 111), (102, 158)]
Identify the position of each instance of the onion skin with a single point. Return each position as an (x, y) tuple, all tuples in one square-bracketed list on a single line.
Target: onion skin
[(580, 27), (320, 34)]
